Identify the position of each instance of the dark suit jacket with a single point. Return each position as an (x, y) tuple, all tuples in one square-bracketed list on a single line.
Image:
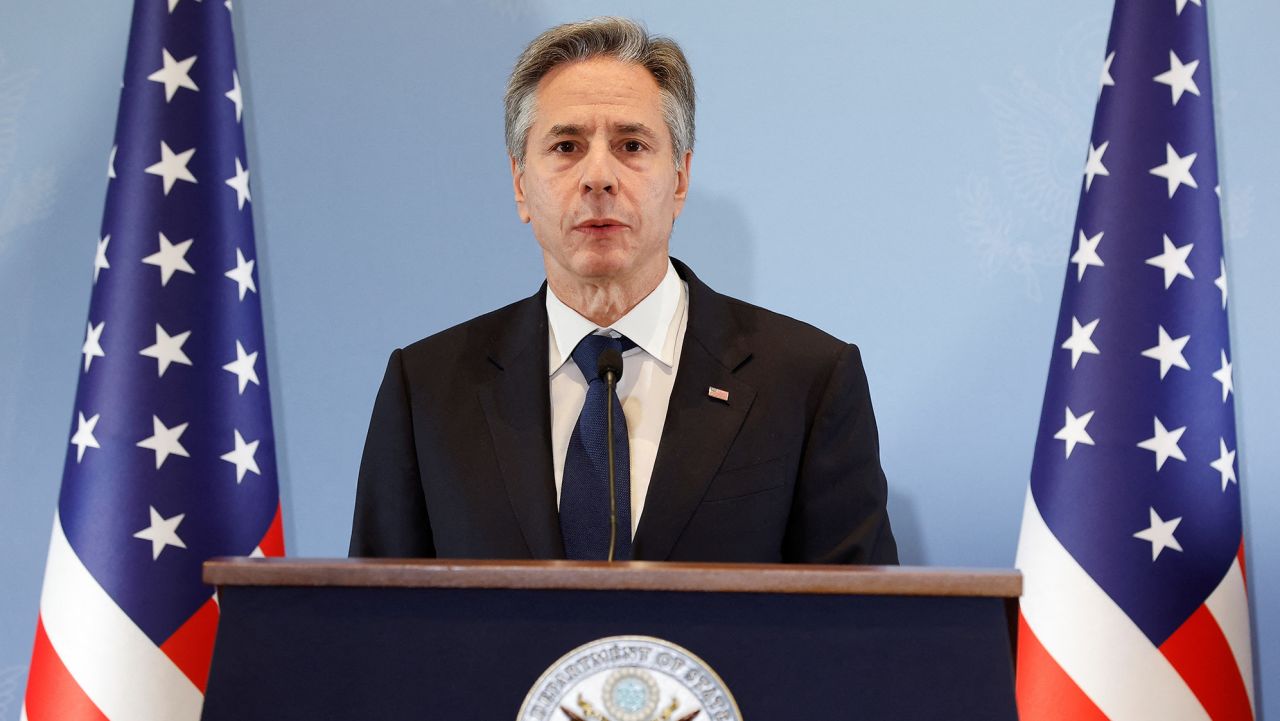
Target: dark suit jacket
[(457, 463)]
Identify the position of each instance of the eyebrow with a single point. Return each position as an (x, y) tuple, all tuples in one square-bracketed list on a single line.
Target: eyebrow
[(569, 129)]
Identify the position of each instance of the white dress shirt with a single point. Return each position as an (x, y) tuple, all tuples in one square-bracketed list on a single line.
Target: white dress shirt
[(656, 325)]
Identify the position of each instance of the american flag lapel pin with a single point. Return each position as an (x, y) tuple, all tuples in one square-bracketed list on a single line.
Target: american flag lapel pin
[(718, 393)]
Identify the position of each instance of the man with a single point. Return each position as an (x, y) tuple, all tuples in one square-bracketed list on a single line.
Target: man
[(743, 436)]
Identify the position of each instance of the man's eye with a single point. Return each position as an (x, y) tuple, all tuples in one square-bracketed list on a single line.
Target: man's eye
[(565, 146), (633, 146)]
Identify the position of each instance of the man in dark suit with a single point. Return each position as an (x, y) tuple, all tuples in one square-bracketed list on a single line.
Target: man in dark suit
[(740, 434)]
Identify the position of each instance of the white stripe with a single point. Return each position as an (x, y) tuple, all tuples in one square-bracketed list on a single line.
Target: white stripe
[(120, 669), (1229, 604), (23, 716), (1091, 638)]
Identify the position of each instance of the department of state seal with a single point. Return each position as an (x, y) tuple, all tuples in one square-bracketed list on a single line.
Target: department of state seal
[(629, 678)]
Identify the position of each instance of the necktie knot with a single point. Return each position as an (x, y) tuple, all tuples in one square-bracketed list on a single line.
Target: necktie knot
[(587, 353)]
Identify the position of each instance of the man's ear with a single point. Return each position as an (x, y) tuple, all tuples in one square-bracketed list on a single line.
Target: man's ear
[(682, 180), (517, 185)]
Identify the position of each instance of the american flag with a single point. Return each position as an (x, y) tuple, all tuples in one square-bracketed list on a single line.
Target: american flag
[(1135, 604), (171, 457)]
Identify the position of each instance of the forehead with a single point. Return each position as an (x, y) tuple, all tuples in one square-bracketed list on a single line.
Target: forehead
[(598, 89)]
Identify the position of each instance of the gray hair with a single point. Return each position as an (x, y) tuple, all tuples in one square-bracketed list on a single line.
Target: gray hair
[(620, 38)]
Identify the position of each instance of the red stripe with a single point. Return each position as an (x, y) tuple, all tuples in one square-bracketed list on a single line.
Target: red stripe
[(273, 542), (191, 646), (1200, 654), (1044, 690), (52, 692)]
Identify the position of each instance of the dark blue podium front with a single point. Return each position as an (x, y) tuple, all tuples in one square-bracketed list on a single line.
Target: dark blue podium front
[(394, 640)]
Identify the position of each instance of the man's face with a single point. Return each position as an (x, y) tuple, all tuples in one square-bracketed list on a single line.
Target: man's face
[(599, 186)]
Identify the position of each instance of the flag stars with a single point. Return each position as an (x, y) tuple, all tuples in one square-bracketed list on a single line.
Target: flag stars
[(1160, 534), (242, 457), (171, 258), (235, 96), (1176, 169), (1225, 465), (165, 441), (1223, 376), (1179, 77), (172, 166), (100, 258), (242, 274), (1081, 340), (240, 183), (83, 437), (1106, 81), (1164, 444), (1074, 431), (243, 367), (1087, 254), (1168, 351), (174, 74), (163, 532), (92, 347), (111, 162), (1173, 261), (167, 350), (1093, 164), (1183, 3), (1221, 280)]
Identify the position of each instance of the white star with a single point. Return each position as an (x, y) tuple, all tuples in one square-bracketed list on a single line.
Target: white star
[(165, 441), (1087, 254), (83, 437), (1081, 340), (174, 75), (172, 4), (92, 347), (1223, 376), (1179, 77), (172, 167), (242, 457), (100, 258), (171, 258), (1221, 280), (111, 162), (242, 366), (1164, 444), (1074, 431), (234, 94), (1173, 261), (1183, 4), (242, 274), (240, 183), (1106, 80), (1226, 464), (1160, 534), (163, 532), (228, 5), (1093, 164), (167, 349), (1168, 351), (1176, 169)]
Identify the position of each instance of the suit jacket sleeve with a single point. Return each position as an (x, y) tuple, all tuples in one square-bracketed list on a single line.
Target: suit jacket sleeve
[(838, 512), (391, 511)]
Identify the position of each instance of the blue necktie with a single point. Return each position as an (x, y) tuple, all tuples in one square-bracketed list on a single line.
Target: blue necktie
[(584, 492)]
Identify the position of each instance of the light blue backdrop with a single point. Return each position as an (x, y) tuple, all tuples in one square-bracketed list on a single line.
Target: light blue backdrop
[(903, 175)]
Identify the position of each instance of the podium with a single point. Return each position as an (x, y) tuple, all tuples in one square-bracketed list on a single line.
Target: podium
[(437, 639)]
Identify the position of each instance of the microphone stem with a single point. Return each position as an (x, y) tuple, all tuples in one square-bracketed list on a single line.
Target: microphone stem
[(613, 496)]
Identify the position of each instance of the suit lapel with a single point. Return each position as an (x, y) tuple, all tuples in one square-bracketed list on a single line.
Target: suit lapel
[(699, 428), (517, 406)]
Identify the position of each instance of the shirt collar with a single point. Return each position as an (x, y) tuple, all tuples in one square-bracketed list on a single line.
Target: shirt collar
[(652, 324)]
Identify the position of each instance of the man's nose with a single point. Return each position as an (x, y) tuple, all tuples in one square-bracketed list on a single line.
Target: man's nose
[(599, 173)]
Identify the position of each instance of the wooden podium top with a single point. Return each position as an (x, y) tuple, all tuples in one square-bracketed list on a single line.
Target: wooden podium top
[(619, 576)]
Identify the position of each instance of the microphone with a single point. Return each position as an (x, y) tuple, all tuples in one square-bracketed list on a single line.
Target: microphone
[(609, 369)]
